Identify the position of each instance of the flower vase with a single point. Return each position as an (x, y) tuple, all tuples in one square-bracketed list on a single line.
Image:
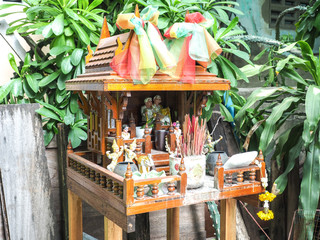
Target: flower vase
[(195, 169)]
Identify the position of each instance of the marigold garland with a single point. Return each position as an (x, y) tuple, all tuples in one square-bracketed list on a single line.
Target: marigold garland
[(267, 197), (265, 216)]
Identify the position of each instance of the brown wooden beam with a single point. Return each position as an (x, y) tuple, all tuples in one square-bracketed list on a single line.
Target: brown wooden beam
[(228, 219)]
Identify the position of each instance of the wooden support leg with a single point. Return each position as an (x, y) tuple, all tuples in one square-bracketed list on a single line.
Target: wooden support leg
[(75, 216), (228, 219), (111, 230), (173, 223)]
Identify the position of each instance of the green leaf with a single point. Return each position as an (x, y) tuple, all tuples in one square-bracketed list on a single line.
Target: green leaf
[(225, 112), (310, 191), (287, 48), (74, 107), (62, 79), (239, 73), (69, 118), (241, 54), (52, 108), (163, 22), (312, 106), (28, 91), (227, 71), (58, 25), (33, 83), (13, 63), (232, 24), (76, 56), (251, 71), (46, 63), (5, 6), (66, 65), (68, 31), (293, 154), (256, 58), (76, 135), (48, 113), (72, 14), (48, 136), (82, 34), (17, 88), (94, 4), (87, 23), (47, 31), (48, 79), (59, 49), (292, 74), (5, 90), (270, 125), (256, 96), (282, 63)]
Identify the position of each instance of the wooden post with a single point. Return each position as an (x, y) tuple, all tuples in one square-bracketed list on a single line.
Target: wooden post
[(228, 219), (173, 223), (75, 216), (111, 230), (62, 164)]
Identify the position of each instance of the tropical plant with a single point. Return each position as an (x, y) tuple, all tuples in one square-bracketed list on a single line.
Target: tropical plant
[(308, 26), (67, 28), (301, 99)]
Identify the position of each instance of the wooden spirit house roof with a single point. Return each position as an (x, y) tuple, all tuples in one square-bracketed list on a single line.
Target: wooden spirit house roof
[(99, 76)]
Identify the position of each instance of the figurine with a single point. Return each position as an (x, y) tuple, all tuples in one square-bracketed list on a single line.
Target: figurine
[(114, 156), (209, 147), (145, 163), (159, 111), (146, 110), (177, 132), (156, 107), (129, 153), (125, 132)]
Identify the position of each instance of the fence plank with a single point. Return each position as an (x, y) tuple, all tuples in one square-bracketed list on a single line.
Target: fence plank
[(25, 174)]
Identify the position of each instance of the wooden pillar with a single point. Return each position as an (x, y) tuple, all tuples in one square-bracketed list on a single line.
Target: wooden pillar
[(75, 216), (111, 230), (228, 219), (173, 223)]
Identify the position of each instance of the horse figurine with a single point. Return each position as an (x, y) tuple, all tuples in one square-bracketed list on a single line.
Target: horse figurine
[(145, 163)]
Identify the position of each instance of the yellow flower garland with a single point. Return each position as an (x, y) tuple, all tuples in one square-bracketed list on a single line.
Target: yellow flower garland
[(267, 197), (265, 216)]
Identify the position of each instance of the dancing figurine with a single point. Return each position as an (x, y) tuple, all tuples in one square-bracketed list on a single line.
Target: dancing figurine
[(114, 156), (210, 145), (129, 152)]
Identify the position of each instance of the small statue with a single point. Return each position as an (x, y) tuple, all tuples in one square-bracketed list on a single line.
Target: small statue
[(146, 110), (159, 111), (156, 107), (114, 156), (125, 132), (209, 147), (129, 153), (177, 132), (145, 163)]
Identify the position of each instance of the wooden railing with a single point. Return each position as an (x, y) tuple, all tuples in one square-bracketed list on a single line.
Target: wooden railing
[(128, 190), (232, 179)]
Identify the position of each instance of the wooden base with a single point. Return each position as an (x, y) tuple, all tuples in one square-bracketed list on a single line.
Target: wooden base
[(74, 216), (111, 230), (228, 219), (173, 223)]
